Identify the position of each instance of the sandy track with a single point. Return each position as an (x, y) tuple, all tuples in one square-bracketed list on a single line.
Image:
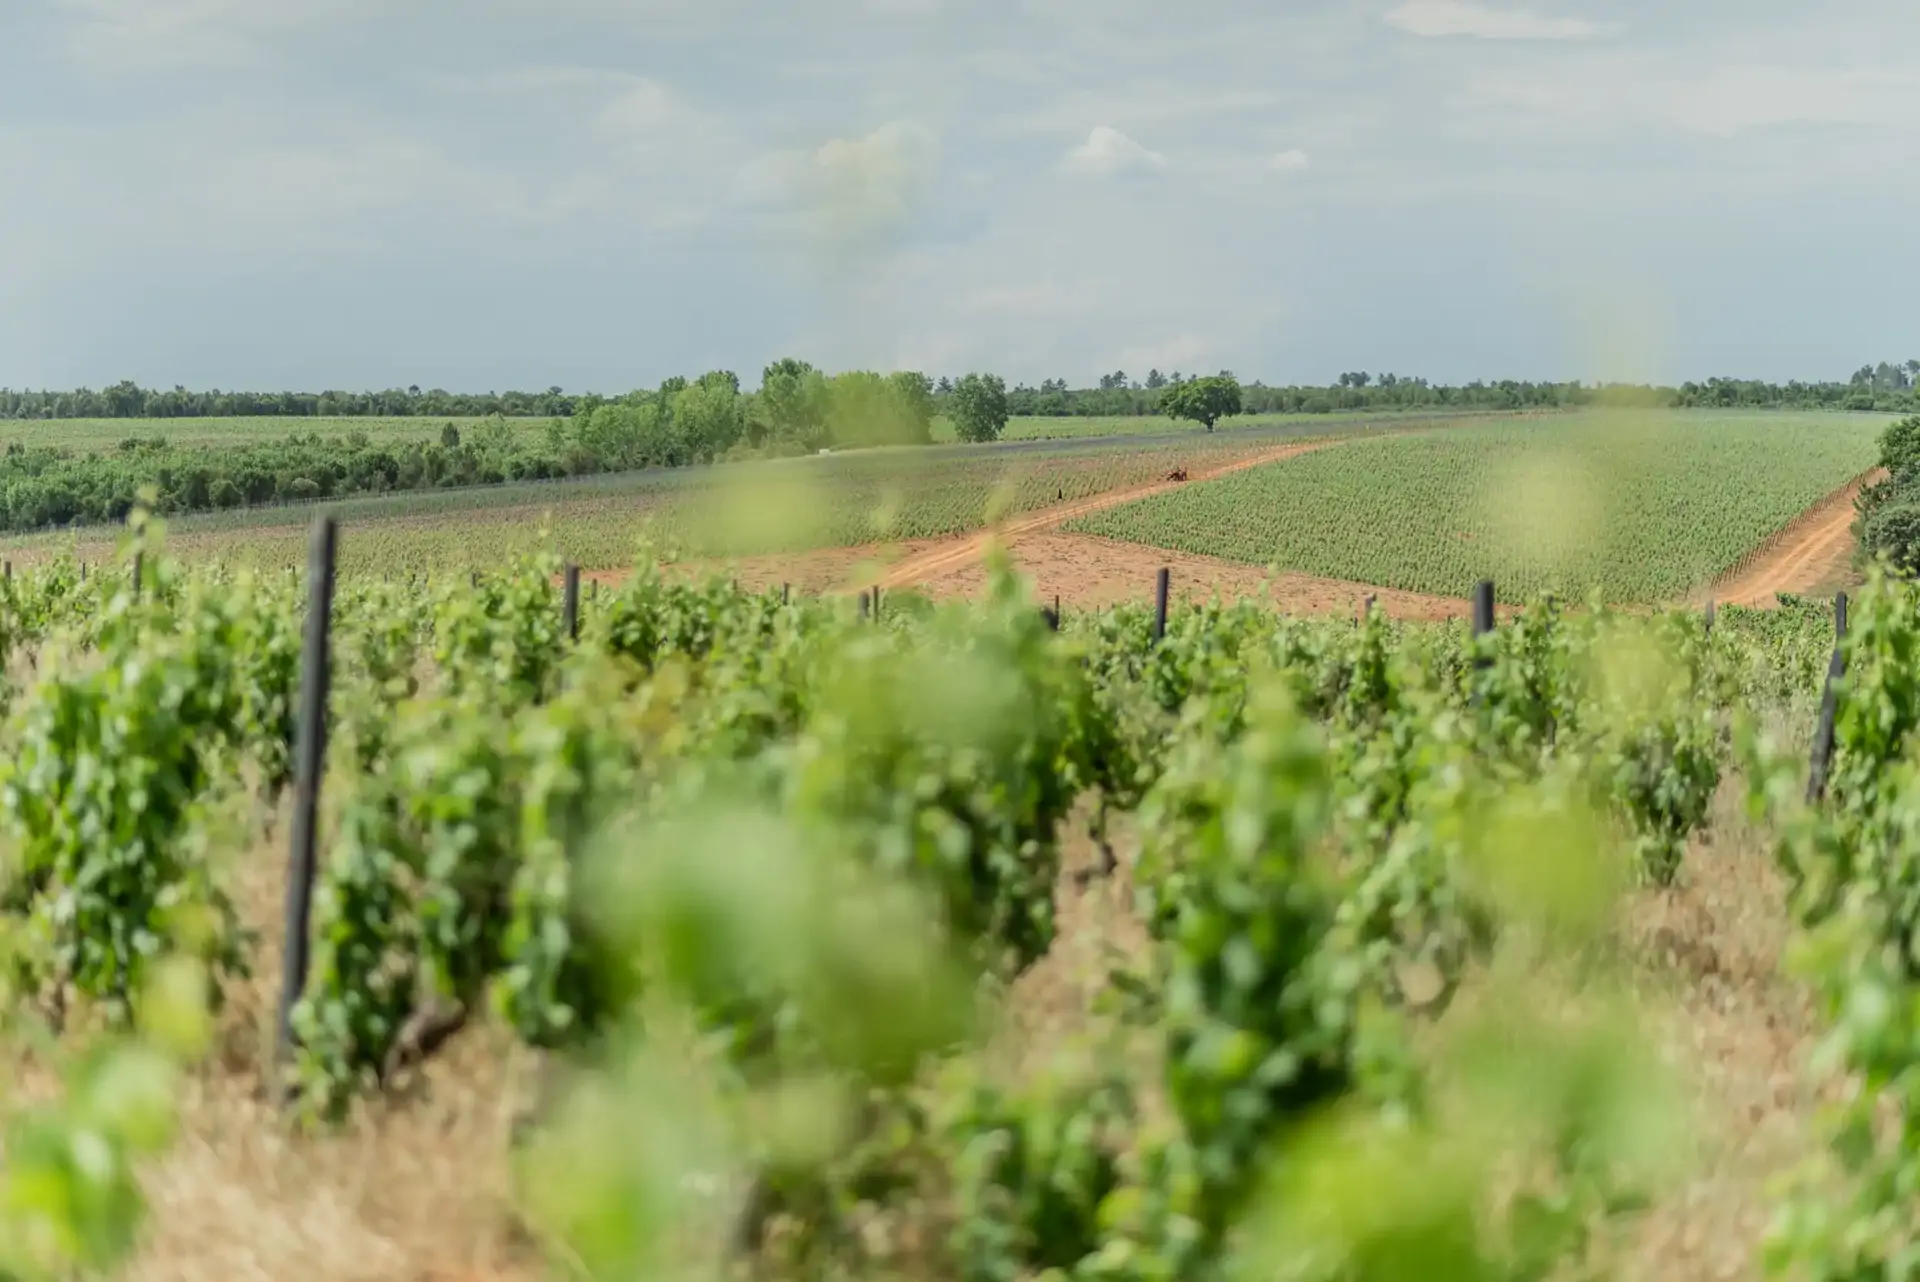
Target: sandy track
[(930, 564), (1814, 550), (1089, 572)]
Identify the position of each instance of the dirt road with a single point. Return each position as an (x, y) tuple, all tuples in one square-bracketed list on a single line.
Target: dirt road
[(1812, 552), (920, 567), (1088, 572)]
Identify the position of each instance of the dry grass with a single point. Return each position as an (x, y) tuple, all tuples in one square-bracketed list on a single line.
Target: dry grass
[(1740, 1034), (415, 1189)]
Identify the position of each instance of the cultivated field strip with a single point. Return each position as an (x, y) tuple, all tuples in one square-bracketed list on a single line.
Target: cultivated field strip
[(1640, 508), (785, 506)]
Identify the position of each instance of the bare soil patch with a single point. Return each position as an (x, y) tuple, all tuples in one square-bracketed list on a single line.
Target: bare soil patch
[(1814, 551), (1740, 1034), (1089, 572)]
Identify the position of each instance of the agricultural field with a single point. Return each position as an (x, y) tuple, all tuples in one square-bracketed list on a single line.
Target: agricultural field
[(1096, 427), (107, 433), (85, 434), (1638, 505), (778, 506)]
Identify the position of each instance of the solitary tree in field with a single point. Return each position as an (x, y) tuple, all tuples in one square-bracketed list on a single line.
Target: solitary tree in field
[(1202, 400), (978, 407)]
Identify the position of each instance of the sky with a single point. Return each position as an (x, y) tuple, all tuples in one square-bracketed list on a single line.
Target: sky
[(597, 194)]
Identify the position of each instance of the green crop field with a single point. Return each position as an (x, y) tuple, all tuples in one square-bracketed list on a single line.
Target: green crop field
[(1640, 505), (1069, 429), (778, 506)]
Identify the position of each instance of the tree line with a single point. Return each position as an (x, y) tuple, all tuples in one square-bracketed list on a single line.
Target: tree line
[(798, 409), (129, 400), (681, 423), (1887, 387)]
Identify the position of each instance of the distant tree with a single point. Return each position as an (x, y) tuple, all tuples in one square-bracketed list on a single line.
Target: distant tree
[(794, 404), (1155, 380), (1894, 531), (865, 409), (708, 416), (1202, 400), (913, 394), (944, 387), (979, 407), (1900, 449), (450, 436)]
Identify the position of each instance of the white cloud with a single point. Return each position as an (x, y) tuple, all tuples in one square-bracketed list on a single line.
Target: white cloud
[(1740, 98), (1615, 93), (1143, 105), (643, 108), (1435, 19), (1290, 161), (1108, 152), (125, 35)]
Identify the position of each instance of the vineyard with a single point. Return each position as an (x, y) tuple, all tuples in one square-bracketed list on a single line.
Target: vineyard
[(760, 882), (1640, 508)]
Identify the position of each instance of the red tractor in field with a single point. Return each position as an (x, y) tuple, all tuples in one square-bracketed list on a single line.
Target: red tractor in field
[(1178, 474)]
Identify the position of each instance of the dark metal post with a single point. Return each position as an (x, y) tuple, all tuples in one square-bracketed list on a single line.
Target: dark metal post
[(1483, 608), (1822, 759), (570, 608), (1709, 618), (1160, 588), (139, 565), (786, 593), (309, 758), (1482, 623), (876, 603), (864, 606)]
